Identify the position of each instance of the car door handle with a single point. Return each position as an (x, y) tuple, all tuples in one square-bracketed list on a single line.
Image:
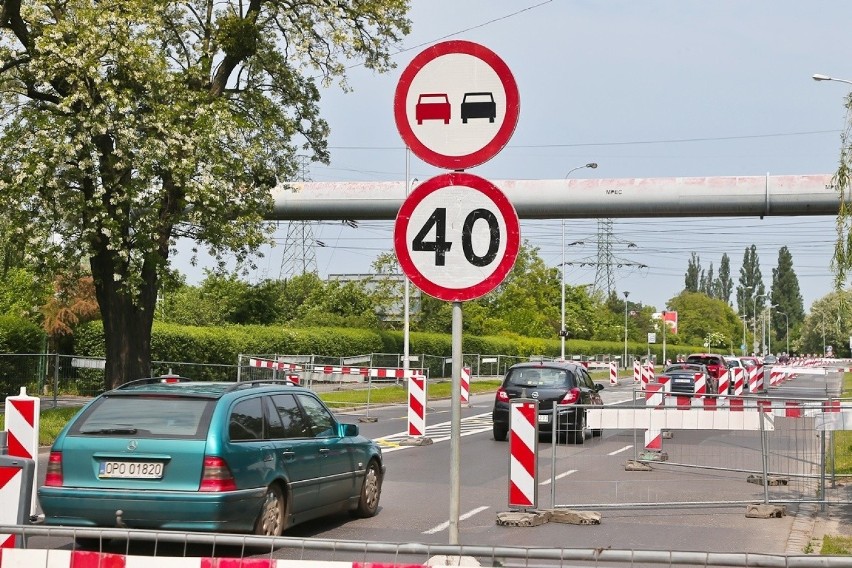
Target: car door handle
[(323, 451), (288, 454)]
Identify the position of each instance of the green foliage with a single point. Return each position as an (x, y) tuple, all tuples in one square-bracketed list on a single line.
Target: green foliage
[(788, 307), (751, 292), (23, 293), (18, 336), (691, 280), (129, 126), (829, 323), (701, 317), (724, 284)]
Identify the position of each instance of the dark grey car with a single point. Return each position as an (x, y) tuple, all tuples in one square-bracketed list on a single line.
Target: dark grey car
[(681, 378), (555, 384)]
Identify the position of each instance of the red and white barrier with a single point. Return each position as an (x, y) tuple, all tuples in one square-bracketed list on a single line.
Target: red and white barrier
[(637, 372), (739, 380), (274, 365), (724, 386), (43, 558), (417, 405), (613, 374), (699, 386), (655, 397), (465, 385), (523, 449), (647, 376), (22, 428), (752, 379), (373, 372)]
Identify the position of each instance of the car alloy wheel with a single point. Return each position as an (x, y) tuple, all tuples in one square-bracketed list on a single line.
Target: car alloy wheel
[(368, 504), (271, 519)]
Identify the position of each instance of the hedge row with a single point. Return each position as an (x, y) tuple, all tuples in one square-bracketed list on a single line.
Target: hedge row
[(223, 345)]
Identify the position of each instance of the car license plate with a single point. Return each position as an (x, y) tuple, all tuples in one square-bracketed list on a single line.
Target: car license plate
[(544, 418), (131, 470)]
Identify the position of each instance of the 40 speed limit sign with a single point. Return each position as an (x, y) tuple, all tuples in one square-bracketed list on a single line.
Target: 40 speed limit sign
[(456, 236)]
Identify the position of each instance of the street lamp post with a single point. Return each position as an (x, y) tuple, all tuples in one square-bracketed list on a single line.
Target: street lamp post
[(821, 77), (746, 289), (786, 330), (562, 331), (625, 329), (665, 325), (769, 327), (754, 313)]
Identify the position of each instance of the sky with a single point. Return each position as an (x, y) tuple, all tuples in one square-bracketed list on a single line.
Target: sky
[(658, 88)]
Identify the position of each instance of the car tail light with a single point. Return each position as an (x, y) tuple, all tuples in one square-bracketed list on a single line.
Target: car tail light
[(53, 477), (571, 396), (502, 396), (216, 476)]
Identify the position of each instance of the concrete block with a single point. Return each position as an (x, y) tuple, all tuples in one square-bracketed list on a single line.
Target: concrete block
[(634, 465), (771, 480), (764, 511), (416, 441), (569, 517), (522, 518)]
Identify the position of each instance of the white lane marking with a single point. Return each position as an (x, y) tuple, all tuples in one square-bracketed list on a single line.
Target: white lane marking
[(466, 423), (624, 449), (560, 476), (445, 525)]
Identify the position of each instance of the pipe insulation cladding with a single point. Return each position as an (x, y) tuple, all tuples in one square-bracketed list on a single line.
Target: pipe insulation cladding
[(732, 196)]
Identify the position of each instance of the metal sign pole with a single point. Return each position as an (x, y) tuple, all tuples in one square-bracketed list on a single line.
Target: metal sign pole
[(455, 424)]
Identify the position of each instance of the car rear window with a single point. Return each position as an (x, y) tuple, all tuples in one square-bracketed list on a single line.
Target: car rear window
[(146, 417), (684, 367), (703, 360), (541, 377)]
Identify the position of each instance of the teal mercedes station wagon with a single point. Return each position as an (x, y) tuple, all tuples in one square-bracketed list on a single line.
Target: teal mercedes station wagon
[(170, 453)]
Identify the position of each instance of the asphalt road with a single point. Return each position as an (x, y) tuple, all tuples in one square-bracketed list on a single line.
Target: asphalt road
[(415, 503)]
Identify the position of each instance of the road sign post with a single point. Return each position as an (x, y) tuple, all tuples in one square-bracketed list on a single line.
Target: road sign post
[(456, 236)]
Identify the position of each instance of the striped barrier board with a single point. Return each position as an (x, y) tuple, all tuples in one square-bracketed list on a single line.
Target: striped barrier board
[(523, 449), (465, 385), (739, 380), (22, 428), (43, 558), (417, 405)]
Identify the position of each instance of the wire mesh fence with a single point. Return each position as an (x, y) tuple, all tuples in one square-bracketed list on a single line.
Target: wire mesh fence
[(769, 450), (119, 547)]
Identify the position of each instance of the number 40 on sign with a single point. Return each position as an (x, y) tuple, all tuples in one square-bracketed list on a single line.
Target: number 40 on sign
[(456, 236)]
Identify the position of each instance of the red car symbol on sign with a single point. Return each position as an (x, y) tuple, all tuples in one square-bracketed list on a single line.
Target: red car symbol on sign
[(432, 106)]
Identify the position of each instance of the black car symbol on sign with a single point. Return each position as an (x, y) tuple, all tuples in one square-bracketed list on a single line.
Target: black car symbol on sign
[(478, 105)]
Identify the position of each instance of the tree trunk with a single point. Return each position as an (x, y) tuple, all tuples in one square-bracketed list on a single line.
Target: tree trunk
[(127, 320)]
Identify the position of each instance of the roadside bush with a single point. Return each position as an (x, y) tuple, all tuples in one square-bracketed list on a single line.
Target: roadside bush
[(18, 336)]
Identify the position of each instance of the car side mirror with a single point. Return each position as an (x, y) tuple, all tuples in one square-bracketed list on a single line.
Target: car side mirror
[(348, 430), (599, 387)]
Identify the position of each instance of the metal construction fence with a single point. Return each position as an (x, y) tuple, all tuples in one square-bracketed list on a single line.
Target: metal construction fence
[(126, 547), (708, 452), (51, 375)]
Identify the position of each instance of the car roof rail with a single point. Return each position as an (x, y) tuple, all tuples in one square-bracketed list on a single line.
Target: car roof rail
[(259, 382), (168, 378)]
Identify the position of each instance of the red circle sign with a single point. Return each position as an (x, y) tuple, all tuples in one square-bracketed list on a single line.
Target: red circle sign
[(456, 105), (456, 236)]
